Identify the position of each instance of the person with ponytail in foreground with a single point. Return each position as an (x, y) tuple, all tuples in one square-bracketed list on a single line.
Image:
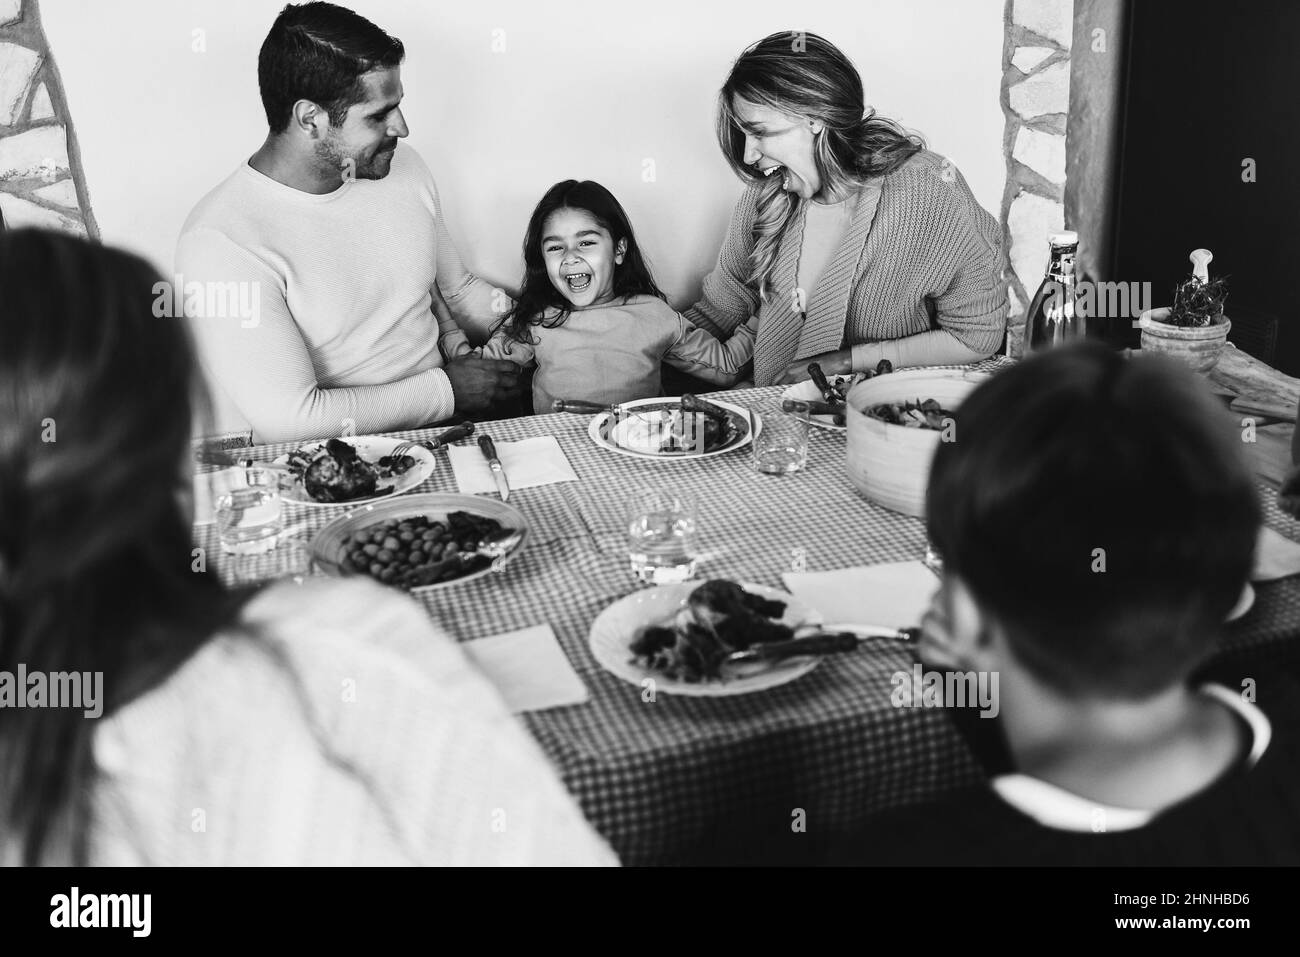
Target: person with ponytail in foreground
[(852, 242), (322, 723)]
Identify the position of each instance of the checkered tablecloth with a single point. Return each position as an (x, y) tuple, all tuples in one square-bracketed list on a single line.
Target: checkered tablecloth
[(662, 778)]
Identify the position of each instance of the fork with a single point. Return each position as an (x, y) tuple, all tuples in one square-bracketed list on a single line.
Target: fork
[(454, 434)]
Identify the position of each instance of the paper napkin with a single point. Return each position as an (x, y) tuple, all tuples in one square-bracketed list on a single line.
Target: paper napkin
[(538, 461), (528, 667), (1276, 556), (892, 595)]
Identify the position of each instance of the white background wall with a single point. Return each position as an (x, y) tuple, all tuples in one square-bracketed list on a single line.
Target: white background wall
[(587, 91)]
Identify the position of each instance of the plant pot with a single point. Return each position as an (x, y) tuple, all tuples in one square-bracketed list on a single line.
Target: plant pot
[(1197, 347)]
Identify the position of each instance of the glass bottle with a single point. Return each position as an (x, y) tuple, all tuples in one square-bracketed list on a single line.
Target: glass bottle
[(1052, 318)]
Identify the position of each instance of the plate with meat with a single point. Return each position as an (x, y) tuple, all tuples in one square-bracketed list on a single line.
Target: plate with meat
[(681, 635), (354, 470), (674, 428)]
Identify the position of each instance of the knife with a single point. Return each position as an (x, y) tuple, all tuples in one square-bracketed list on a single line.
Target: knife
[(489, 450), (454, 434), (825, 643)]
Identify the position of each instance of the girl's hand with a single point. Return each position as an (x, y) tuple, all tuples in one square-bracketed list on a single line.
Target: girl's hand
[(832, 363)]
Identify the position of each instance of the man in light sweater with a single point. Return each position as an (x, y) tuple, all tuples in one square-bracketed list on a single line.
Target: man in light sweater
[(335, 239)]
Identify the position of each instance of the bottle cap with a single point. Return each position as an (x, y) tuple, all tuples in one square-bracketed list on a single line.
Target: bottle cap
[(1067, 238)]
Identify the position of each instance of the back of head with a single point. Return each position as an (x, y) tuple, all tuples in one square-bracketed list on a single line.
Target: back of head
[(96, 570), (1100, 511), (319, 52)]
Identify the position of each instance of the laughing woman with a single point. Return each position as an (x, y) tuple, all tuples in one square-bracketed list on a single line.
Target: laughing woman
[(852, 242)]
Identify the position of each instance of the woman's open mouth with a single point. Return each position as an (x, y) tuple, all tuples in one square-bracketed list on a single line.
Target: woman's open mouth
[(578, 281)]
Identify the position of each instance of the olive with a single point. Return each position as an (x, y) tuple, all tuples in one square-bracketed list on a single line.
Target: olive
[(429, 536), (449, 550), (407, 462), (391, 543), (407, 536), (361, 537), (384, 557), (387, 575), (376, 569), (417, 555), (372, 549)]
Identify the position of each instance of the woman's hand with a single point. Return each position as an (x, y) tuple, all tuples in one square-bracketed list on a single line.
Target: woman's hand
[(832, 363)]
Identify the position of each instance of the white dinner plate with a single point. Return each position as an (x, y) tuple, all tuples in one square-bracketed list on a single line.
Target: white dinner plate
[(371, 448), (805, 391), (615, 628), (638, 432)]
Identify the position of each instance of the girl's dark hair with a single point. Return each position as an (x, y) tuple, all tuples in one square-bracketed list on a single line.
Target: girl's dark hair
[(1101, 511), (804, 74), (319, 52), (538, 295), (97, 402)]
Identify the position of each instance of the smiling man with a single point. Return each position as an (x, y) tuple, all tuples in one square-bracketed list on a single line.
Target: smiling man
[(337, 227)]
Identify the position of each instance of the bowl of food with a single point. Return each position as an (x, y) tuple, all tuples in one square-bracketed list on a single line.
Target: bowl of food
[(894, 426), (420, 542)]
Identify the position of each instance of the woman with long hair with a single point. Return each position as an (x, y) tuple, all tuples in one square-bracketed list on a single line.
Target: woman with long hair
[(852, 242), (222, 730)]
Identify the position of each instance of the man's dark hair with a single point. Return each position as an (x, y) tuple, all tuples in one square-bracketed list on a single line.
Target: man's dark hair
[(1100, 509), (319, 52)]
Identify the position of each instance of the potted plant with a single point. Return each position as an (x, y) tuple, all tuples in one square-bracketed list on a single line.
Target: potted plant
[(1194, 329)]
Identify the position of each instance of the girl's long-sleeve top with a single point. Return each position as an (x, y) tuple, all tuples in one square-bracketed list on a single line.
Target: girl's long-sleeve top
[(612, 352)]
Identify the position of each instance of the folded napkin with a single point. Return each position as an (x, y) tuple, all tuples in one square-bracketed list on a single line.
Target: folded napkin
[(531, 462), (1276, 556), (892, 595), (529, 668)]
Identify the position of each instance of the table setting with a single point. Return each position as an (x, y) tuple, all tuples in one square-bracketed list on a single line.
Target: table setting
[(598, 545)]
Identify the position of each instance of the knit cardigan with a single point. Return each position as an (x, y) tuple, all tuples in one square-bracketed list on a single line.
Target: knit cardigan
[(920, 255)]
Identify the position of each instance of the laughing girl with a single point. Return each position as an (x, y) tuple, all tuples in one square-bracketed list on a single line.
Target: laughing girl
[(590, 314)]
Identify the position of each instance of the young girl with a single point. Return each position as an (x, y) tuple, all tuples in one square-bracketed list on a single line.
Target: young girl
[(590, 314)]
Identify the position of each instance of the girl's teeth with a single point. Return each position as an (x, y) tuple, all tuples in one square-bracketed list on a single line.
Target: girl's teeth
[(578, 283)]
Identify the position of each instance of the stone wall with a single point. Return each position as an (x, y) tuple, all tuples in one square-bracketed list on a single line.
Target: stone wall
[(41, 183), (1036, 101)]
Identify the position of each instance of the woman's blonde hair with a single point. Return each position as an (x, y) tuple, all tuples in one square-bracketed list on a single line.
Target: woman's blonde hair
[(803, 74)]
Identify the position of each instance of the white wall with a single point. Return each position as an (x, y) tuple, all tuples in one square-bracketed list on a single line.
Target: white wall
[(160, 124)]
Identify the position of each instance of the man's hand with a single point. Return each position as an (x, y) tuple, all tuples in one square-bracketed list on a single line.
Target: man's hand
[(832, 363), (478, 383)]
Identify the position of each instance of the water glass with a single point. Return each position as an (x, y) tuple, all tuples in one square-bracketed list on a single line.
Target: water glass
[(781, 446), (249, 518), (661, 525)]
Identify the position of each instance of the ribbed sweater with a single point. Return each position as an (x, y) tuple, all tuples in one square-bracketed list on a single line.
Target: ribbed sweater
[(344, 338), (921, 258), (334, 725)]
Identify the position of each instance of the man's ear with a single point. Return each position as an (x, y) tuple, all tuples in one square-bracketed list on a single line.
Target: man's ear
[(972, 630), (620, 251), (310, 118)]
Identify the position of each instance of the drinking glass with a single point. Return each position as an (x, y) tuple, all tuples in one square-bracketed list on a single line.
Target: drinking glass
[(781, 446), (249, 518), (661, 526)]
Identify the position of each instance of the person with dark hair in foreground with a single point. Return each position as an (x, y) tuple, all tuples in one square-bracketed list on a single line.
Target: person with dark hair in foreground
[(1097, 523), (327, 723), (334, 243)]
